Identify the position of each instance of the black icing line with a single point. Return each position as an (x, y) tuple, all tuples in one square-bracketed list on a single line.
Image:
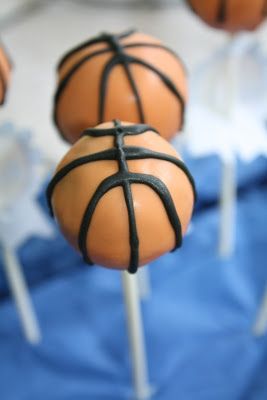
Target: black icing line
[(137, 129), (221, 13), (98, 39), (123, 179), (4, 86), (105, 155), (167, 82), (120, 57), (158, 46)]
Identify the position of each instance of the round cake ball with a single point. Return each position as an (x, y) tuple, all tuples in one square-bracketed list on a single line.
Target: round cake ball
[(231, 15), (5, 70), (131, 76), (122, 195)]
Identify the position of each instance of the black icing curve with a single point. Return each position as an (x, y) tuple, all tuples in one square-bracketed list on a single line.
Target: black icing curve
[(122, 58), (125, 179)]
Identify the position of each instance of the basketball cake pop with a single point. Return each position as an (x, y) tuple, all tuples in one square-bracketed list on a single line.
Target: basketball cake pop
[(122, 196), (131, 76), (5, 69), (231, 15)]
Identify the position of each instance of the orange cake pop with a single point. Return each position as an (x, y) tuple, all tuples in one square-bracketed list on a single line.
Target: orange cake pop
[(231, 15), (122, 196), (131, 76), (5, 70)]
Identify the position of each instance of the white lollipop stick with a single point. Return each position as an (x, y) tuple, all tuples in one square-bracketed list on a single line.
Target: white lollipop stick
[(260, 326), (227, 208), (21, 296), (228, 185), (144, 285), (136, 336)]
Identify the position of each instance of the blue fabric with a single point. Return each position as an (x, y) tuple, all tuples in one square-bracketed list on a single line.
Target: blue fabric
[(198, 321)]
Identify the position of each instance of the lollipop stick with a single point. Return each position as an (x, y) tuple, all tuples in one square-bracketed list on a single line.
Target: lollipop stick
[(144, 286), (21, 296), (228, 186), (227, 207), (260, 326), (136, 336)]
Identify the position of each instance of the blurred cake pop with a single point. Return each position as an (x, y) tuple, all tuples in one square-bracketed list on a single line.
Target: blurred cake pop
[(5, 70), (231, 15), (131, 76), (122, 195)]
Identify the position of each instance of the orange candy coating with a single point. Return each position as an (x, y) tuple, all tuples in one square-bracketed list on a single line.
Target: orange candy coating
[(144, 82), (231, 15), (107, 238), (5, 72)]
